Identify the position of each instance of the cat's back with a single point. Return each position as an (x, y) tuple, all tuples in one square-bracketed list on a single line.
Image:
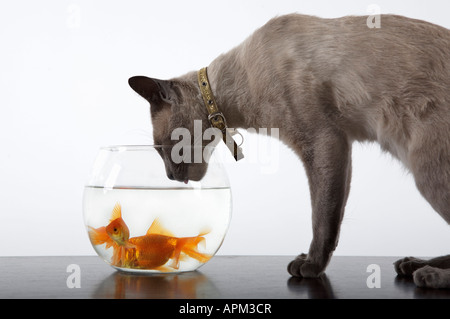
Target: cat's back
[(381, 58), (305, 25), (309, 32), (346, 51), (399, 71)]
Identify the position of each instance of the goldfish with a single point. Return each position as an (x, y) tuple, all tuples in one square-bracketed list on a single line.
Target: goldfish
[(151, 251)]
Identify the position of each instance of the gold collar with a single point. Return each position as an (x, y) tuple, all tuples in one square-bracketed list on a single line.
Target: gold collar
[(216, 118)]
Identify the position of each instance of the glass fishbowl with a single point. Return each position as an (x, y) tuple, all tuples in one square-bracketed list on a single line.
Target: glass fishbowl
[(141, 218)]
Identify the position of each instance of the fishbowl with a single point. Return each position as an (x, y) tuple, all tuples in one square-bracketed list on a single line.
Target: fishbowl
[(140, 217)]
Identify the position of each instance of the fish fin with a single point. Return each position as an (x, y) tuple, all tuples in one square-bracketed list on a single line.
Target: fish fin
[(120, 256), (116, 213), (129, 245), (175, 263), (204, 231), (157, 228), (183, 257), (201, 239), (193, 253), (201, 257), (116, 259), (98, 236), (189, 246), (163, 269)]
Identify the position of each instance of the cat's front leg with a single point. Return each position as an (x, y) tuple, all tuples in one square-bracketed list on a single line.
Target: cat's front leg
[(328, 166)]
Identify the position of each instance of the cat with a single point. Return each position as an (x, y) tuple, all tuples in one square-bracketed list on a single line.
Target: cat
[(327, 83)]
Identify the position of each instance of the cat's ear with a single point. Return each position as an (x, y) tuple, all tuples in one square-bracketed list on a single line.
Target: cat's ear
[(157, 92)]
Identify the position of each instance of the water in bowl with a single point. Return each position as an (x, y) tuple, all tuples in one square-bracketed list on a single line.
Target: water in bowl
[(198, 213)]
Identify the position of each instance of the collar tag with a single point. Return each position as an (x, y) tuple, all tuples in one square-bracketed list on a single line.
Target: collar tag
[(215, 117)]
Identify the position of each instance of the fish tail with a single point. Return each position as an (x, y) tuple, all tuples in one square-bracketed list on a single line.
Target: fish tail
[(193, 242), (190, 247), (194, 253), (122, 254), (204, 231), (98, 236)]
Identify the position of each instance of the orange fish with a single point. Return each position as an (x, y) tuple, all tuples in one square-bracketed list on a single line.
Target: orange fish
[(151, 251)]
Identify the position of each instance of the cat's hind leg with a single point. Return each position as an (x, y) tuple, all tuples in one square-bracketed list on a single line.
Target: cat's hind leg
[(408, 265), (430, 165), (432, 277)]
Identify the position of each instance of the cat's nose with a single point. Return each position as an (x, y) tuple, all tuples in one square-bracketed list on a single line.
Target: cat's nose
[(170, 176)]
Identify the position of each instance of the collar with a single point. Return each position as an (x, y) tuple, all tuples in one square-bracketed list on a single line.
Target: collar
[(215, 117)]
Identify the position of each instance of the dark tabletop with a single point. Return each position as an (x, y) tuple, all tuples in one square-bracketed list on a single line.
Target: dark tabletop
[(223, 277)]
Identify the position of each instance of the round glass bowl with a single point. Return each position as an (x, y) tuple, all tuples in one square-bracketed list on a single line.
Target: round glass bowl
[(140, 220)]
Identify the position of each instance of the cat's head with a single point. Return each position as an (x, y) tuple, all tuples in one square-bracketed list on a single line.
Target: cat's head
[(176, 107)]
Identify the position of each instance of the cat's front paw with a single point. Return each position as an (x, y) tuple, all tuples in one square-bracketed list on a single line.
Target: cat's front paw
[(302, 267), (431, 277), (408, 265)]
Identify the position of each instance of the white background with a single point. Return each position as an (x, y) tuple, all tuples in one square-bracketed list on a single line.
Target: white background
[(64, 67)]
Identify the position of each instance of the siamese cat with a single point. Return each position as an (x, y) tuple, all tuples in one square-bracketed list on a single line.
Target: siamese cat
[(326, 83)]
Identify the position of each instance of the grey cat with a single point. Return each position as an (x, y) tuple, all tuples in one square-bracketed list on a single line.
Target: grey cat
[(326, 83)]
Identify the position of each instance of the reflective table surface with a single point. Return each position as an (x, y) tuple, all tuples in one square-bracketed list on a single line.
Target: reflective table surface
[(224, 277)]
